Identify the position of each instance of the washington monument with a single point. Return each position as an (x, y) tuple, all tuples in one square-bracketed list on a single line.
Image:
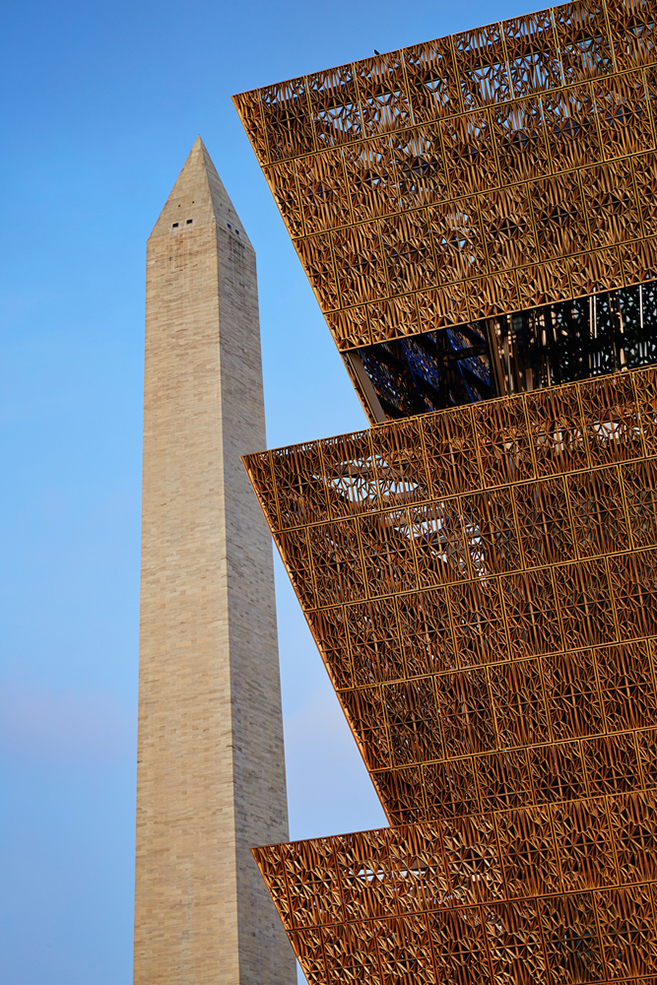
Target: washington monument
[(211, 775)]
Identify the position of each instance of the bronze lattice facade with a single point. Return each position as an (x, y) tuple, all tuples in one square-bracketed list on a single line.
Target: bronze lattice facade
[(469, 176), (479, 568)]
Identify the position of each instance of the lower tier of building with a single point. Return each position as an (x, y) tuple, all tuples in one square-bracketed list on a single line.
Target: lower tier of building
[(552, 894)]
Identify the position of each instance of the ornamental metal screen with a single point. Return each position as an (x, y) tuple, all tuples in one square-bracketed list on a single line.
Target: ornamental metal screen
[(465, 177), (482, 585), (554, 894), (476, 217)]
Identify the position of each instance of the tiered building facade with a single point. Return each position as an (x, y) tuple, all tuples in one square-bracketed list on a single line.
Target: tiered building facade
[(479, 568)]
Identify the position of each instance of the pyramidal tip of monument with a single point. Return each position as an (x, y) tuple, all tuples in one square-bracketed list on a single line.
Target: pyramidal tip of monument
[(199, 193)]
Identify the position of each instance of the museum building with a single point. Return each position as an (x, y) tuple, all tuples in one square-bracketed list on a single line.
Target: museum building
[(477, 218)]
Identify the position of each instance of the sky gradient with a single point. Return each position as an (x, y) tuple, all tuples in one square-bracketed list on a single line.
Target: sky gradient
[(102, 105)]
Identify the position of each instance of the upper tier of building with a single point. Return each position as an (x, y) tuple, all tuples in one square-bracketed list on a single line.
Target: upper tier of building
[(476, 176)]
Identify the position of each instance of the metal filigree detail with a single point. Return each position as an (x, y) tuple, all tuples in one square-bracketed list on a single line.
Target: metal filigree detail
[(397, 168)]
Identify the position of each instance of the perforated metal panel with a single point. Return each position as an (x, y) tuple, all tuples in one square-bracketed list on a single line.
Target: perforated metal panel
[(465, 177), (482, 585), (481, 581), (553, 894)]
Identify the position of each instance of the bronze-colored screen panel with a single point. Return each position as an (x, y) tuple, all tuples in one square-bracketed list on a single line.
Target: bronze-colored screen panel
[(528, 109), (520, 139), (371, 175), (498, 543), (627, 685), (404, 477), (480, 582), (572, 129), (611, 203), (426, 630), (573, 695), (469, 148), (585, 845), (532, 52), (395, 317), (645, 174), (335, 106), (282, 182), (504, 442), (316, 256), (633, 32), (384, 99), (571, 936), (498, 893), (481, 58), (322, 188), (583, 37), (287, 120), (530, 609), (622, 114), (419, 167), (515, 942), (490, 296), (544, 523), (587, 270), (543, 284), (510, 235), (640, 491), (529, 855), (350, 475), (597, 511), (558, 212), (359, 264), (350, 324), (432, 78), (408, 252), (458, 240), (504, 780)]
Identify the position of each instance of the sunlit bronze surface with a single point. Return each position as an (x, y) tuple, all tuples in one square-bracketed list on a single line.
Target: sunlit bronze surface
[(555, 894), (481, 581), (482, 584), (478, 174)]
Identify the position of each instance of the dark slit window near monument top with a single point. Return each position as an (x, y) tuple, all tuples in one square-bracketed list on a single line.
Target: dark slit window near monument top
[(494, 357)]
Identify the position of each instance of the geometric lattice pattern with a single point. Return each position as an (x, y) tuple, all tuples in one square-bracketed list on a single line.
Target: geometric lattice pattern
[(482, 585), (544, 895), (481, 581), (469, 176)]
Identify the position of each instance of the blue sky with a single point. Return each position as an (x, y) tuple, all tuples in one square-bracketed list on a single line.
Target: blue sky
[(102, 105)]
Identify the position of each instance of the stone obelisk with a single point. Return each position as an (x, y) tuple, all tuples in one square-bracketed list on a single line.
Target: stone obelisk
[(211, 774)]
